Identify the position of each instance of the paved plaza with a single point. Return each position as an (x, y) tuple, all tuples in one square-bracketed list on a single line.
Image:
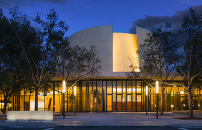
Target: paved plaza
[(106, 119)]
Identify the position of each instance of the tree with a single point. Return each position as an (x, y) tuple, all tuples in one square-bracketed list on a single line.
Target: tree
[(190, 45), (11, 59), (75, 63), (39, 56), (184, 49), (157, 61), (187, 54)]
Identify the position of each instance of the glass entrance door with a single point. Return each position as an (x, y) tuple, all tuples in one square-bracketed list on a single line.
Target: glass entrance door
[(139, 102), (109, 103), (119, 102), (129, 99)]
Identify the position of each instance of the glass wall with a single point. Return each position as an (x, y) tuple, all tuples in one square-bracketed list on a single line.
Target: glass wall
[(103, 96)]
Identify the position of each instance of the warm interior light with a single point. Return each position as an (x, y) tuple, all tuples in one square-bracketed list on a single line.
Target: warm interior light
[(128, 90), (63, 86), (146, 90), (74, 90), (121, 55), (157, 86)]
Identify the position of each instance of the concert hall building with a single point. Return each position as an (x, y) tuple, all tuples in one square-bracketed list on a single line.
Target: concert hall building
[(112, 91)]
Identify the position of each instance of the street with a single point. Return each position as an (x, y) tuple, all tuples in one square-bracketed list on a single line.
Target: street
[(105, 128)]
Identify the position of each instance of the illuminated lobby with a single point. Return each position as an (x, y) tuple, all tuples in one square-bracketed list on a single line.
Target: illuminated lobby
[(112, 91)]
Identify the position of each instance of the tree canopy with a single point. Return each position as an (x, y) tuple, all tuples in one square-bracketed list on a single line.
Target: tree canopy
[(164, 51), (34, 55)]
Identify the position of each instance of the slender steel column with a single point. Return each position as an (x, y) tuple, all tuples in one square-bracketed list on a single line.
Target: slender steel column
[(75, 104), (146, 103), (63, 105), (146, 93), (157, 89), (63, 93), (157, 107), (75, 99)]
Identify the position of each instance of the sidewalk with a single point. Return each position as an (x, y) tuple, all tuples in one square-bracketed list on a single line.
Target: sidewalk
[(122, 119)]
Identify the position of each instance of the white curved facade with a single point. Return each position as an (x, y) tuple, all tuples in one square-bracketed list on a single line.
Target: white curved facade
[(101, 37), (141, 36), (114, 49)]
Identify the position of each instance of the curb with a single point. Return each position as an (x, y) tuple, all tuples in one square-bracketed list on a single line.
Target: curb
[(102, 127)]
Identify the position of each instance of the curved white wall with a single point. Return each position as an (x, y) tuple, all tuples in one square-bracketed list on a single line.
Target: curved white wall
[(101, 37), (141, 36), (113, 48)]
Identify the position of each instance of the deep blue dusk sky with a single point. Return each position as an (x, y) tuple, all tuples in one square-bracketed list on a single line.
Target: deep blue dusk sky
[(122, 14)]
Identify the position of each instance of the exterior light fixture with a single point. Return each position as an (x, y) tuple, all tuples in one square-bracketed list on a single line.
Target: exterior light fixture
[(146, 99), (146, 90), (63, 93), (157, 89), (75, 99), (74, 90), (63, 86)]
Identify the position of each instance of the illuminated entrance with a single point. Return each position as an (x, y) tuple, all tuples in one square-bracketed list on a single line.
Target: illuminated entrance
[(110, 96)]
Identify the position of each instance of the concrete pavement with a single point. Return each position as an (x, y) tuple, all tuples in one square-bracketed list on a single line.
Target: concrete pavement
[(106, 119)]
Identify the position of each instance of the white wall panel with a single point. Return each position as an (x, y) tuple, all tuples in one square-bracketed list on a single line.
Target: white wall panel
[(141, 36), (101, 37)]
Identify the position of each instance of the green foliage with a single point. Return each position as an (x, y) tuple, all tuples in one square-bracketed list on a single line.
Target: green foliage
[(30, 52), (13, 80), (95, 95)]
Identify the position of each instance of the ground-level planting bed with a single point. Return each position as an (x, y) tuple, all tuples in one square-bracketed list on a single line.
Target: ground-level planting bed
[(188, 118), (164, 115)]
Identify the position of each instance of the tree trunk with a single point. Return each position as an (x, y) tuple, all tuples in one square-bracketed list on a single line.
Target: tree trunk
[(36, 98), (162, 101), (5, 104), (190, 103)]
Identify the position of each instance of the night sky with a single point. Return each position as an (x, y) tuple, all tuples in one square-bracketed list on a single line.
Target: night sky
[(124, 15)]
